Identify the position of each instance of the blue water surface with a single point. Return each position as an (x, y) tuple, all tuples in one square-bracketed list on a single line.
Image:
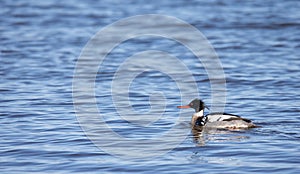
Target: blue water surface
[(258, 45)]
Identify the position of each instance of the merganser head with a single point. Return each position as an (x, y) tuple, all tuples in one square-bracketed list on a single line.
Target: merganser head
[(196, 104)]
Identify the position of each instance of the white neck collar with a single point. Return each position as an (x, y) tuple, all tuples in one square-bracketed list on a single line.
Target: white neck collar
[(200, 113)]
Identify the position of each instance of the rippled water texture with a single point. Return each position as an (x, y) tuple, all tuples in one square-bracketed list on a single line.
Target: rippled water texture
[(257, 43)]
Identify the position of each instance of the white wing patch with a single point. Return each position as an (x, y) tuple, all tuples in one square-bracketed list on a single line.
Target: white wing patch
[(220, 117)]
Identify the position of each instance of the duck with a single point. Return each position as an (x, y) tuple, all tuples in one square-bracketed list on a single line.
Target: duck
[(217, 120)]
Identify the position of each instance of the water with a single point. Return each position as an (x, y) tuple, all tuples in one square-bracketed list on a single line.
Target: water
[(257, 43)]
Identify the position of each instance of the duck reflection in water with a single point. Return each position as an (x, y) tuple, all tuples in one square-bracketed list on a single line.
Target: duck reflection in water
[(201, 135)]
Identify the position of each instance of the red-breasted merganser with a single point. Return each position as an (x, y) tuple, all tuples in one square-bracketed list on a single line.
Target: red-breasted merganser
[(216, 120)]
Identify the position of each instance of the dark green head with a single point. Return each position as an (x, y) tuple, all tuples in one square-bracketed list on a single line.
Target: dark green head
[(196, 104)]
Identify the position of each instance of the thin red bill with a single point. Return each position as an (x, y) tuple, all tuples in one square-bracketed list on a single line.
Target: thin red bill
[(184, 107)]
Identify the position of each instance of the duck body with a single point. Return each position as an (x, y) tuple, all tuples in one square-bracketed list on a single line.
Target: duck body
[(216, 120), (227, 121)]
